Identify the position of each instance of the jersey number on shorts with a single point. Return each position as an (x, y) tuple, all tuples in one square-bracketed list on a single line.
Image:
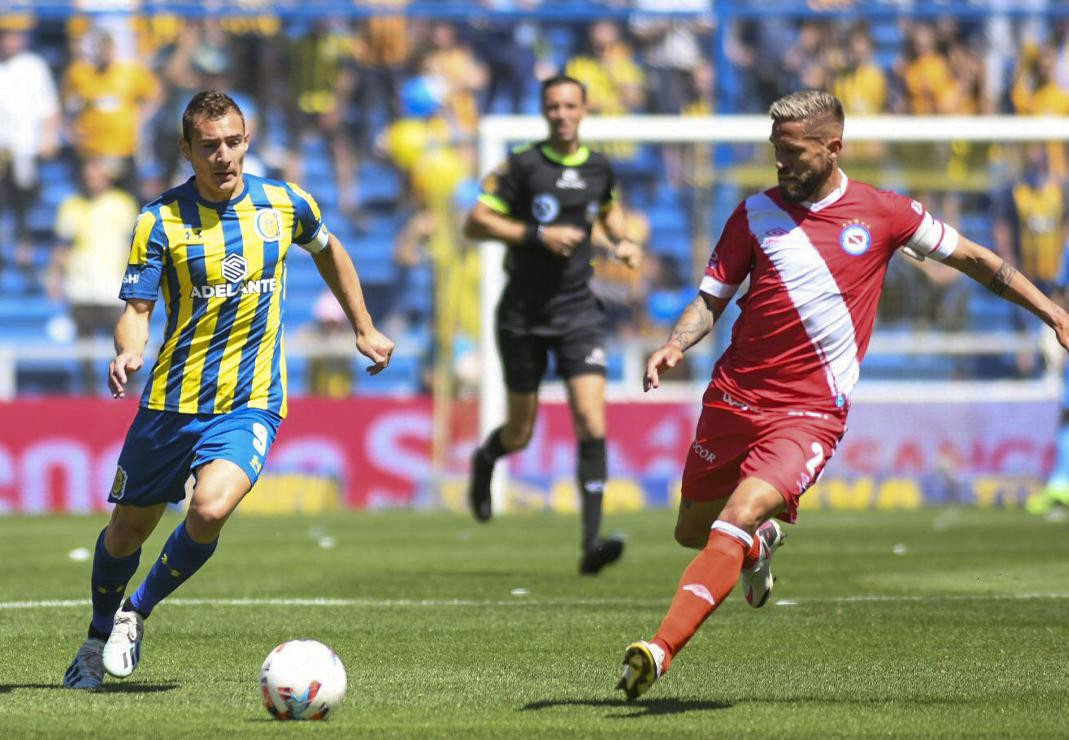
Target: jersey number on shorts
[(814, 462), (259, 442)]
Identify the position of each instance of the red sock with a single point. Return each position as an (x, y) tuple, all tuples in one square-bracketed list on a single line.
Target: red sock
[(705, 583), (750, 559)]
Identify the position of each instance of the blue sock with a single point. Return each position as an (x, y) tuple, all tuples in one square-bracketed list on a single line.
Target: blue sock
[(109, 579), (181, 557), (1059, 476)]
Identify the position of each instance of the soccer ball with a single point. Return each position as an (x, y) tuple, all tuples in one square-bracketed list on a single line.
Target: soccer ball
[(302, 679)]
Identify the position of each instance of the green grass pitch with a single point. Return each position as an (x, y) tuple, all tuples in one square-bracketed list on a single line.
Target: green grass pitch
[(936, 622)]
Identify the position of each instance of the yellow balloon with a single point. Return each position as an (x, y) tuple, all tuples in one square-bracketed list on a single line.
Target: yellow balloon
[(439, 171), (406, 140)]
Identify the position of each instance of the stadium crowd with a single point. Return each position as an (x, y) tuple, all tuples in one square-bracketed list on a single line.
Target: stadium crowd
[(379, 116)]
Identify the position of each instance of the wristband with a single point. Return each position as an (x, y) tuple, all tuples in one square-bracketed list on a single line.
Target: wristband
[(532, 234)]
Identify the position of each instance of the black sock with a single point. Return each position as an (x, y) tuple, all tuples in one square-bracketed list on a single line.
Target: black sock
[(492, 448), (592, 471)]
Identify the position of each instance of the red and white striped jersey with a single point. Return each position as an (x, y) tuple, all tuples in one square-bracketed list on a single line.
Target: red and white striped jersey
[(816, 272)]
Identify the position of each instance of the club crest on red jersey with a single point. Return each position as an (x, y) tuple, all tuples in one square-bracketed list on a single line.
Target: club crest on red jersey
[(855, 238)]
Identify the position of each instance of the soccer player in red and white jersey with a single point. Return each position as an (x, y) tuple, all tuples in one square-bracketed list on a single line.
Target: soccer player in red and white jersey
[(815, 250)]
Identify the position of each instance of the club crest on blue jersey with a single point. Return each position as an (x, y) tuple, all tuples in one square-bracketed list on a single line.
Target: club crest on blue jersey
[(268, 224), (855, 239), (545, 207)]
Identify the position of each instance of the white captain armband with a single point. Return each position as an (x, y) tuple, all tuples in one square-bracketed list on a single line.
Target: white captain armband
[(933, 238), (319, 241)]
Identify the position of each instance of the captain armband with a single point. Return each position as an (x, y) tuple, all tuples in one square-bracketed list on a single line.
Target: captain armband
[(319, 242)]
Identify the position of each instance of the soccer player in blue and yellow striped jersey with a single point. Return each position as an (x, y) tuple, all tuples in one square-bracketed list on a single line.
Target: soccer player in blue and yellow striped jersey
[(215, 247)]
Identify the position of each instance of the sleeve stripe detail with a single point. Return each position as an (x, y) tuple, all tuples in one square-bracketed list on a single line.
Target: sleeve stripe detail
[(717, 289), (495, 203)]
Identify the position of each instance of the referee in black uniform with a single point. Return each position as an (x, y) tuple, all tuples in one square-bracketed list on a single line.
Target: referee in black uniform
[(543, 202)]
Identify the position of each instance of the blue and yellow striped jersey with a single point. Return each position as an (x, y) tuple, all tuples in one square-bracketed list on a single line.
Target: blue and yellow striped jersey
[(221, 269)]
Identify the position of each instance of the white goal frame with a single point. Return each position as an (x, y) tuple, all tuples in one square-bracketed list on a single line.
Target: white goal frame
[(497, 132)]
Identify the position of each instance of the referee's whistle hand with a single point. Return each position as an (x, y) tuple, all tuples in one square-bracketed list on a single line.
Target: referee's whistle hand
[(119, 371), (562, 239)]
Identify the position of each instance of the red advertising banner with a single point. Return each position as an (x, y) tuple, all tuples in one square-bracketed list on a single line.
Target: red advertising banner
[(59, 454)]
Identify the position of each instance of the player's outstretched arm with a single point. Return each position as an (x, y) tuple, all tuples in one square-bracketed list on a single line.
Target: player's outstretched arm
[(339, 273), (483, 223), (1001, 278), (693, 324), (131, 336)]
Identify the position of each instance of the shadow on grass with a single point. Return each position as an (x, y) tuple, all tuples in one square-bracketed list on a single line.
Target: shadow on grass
[(643, 708), (108, 688)]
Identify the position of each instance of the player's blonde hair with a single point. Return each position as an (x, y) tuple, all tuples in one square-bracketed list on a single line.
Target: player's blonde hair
[(806, 105)]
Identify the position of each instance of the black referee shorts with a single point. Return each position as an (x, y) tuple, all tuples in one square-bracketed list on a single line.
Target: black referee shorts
[(525, 356)]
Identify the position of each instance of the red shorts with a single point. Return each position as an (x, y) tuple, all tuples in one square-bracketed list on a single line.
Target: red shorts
[(733, 441)]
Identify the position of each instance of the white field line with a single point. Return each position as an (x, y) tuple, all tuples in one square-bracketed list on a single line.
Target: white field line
[(522, 601)]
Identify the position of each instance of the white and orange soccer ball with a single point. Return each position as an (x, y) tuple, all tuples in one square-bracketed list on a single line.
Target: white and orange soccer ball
[(302, 679)]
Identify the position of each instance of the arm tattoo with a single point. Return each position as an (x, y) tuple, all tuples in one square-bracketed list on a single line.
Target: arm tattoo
[(1002, 278), (693, 324)]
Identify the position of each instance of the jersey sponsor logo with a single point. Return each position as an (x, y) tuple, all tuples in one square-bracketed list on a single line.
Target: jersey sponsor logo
[(735, 404), (118, 485), (226, 290), (131, 278), (596, 357), (703, 452), (545, 207), (235, 268), (855, 239), (571, 180), (193, 236), (268, 224)]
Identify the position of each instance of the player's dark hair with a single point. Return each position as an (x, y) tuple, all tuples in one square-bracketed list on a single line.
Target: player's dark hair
[(211, 104), (556, 80)]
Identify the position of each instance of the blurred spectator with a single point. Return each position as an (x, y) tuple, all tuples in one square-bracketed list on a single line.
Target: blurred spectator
[(382, 49), (805, 64), (671, 48), (508, 49), (93, 228), (613, 79), (322, 83), (1036, 92), (1030, 218), (454, 65), (29, 127), (861, 85), (926, 76), (109, 99)]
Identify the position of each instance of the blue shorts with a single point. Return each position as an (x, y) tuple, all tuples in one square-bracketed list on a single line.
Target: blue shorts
[(162, 448)]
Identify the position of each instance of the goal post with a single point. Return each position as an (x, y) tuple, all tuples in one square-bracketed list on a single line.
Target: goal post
[(498, 133)]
